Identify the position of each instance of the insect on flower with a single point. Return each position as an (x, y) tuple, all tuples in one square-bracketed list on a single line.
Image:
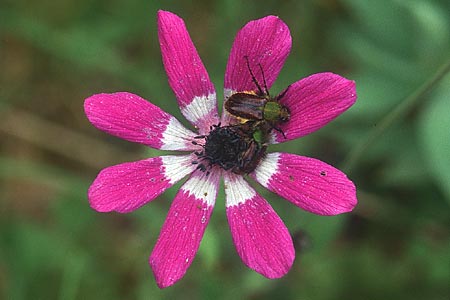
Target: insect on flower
[(258, 107), (232, 147)]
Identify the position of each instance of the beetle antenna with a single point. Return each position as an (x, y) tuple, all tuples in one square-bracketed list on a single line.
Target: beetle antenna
[(253, 76), (264, 80)]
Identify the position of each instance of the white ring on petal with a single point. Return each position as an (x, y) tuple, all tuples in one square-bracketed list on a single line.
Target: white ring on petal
[(199, 108), (175, 136), (227, 93), (177, 166), (237, 189), (267, 167), (203, 188)]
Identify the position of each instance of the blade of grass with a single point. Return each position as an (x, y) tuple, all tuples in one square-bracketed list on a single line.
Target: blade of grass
[(397, 113)]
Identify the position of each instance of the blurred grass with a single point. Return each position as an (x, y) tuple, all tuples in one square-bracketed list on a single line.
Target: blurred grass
[(395, 245)]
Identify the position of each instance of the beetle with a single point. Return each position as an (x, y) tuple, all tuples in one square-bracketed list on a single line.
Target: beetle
[(256, 147), (250, 158), (258, 106), (237, 148)]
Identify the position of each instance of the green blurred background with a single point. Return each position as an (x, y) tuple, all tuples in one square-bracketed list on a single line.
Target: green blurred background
[(54, 54)]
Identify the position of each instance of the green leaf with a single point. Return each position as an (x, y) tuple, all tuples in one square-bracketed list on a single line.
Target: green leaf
[(383, 22), (434, 135), (210, 248), (432, 31)]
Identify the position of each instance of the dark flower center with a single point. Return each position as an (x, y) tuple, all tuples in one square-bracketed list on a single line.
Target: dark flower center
[(229, 147)]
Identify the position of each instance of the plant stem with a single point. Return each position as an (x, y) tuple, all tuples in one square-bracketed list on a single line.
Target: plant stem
[(396, 114)]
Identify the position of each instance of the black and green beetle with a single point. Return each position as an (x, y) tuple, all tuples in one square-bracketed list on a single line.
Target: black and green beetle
[(258, 106)]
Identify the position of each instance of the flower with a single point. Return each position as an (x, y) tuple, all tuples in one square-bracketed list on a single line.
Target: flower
[(260, 236)]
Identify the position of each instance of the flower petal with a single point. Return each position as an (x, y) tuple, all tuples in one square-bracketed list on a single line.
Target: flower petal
[(187, 74), (126, 187), (307, 182), (132, 118), (266, 42), (313, 102), (260, 236), (184, 227)]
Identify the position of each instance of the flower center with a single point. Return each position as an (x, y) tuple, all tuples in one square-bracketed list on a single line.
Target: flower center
[(231, 148)]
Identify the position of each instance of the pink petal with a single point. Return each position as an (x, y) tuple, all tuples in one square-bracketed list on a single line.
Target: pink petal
[(260, 236), (187, 74), (314, 102), (183, 229), (132, 118), (266, 42), (126, 187), (307, 182)]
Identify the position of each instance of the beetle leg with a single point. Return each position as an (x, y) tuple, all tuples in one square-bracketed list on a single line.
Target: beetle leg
[(280, 131), (281, 95)]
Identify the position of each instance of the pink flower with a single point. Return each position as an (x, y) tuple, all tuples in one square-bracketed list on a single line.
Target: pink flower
[(261, 239)]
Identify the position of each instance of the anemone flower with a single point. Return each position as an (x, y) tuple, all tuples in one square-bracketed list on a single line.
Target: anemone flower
[(261, 239)]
